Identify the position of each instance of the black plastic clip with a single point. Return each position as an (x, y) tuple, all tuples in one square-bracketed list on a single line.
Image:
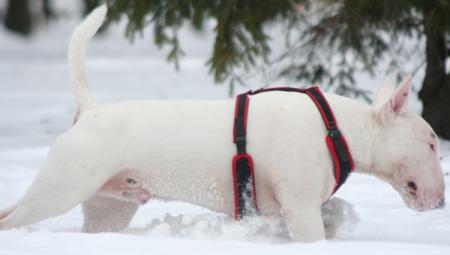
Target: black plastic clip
[(336, 136), (241, 142), (334, 133)]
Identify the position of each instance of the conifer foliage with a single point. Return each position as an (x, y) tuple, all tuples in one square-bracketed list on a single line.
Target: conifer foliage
[(333, 39), (364, 33), (239, 35)]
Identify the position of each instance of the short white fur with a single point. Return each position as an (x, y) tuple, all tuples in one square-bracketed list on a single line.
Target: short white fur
[(182, 150)]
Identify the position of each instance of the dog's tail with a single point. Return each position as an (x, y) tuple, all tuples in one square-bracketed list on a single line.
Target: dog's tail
[(76, 55)]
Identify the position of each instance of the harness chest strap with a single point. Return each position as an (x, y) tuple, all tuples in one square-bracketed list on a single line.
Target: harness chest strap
[(243, 170)]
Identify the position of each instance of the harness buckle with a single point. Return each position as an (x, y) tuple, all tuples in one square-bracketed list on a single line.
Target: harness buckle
[(334, 133), (336, 136), (241, 142)]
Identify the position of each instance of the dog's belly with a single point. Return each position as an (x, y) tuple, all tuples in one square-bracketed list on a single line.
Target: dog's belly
[(186, 147)]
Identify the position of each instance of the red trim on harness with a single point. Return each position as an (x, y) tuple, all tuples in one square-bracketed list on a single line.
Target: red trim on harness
[(319, 106), (329, 142), (236, 110), (235, 189), (247, 102), (235, 183), (286, 89), (236, 107), (337, 167)]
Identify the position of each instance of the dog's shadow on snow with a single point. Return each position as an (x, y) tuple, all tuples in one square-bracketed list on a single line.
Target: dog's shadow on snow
[(340, 220), (339, 217), (216, 227)]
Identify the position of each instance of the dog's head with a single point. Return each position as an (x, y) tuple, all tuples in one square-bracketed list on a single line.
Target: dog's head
[(407, 150)]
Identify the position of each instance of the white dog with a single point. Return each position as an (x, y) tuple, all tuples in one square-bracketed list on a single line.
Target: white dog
[(121, 155)]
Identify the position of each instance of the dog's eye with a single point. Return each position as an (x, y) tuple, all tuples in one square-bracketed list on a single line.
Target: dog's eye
[(432, 147)]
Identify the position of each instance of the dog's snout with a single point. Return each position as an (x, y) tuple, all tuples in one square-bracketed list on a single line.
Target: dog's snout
[(441, 204), (412, 188)]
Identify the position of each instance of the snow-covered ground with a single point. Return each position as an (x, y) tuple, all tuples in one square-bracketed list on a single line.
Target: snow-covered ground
[(36, 104)]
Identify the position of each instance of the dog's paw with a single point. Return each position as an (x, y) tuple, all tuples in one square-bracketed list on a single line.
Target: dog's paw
[(337, 213)]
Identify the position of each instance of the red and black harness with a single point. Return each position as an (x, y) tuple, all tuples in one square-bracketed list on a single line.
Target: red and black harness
[(243, 171)]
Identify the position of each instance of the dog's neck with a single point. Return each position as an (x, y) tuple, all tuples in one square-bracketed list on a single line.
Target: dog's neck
[(358, 124)]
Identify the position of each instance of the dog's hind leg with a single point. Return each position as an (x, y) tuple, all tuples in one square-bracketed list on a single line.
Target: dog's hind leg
[(6, 212), (107, 214), (115, 204), (70, 176)]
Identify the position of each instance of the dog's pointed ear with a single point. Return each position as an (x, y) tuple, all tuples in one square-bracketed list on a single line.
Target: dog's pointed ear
[(389, 106), (384, 93)]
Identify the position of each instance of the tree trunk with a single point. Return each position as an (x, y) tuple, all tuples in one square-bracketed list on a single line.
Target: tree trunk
[(18, 17), (47, 8), (435, 92)]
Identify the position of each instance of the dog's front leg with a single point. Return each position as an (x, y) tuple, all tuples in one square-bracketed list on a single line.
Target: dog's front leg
[(301, 212), (304, 222)]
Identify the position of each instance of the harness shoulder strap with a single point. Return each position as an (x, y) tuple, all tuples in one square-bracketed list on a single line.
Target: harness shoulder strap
[(340, 153), (342, 159)]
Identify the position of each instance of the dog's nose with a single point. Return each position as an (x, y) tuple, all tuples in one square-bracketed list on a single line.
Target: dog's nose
[(441, 204)]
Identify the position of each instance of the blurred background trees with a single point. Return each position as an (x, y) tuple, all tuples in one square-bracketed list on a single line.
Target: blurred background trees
[(18, 17), (365, 35), (327, 41), (239, 27)]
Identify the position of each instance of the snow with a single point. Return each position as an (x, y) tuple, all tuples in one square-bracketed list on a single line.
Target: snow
[(36, 104)]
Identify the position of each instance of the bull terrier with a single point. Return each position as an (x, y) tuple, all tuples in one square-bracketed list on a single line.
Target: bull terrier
[(118, 156)]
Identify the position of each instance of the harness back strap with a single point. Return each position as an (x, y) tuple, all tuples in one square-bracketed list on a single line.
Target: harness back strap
[(243, 163)]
